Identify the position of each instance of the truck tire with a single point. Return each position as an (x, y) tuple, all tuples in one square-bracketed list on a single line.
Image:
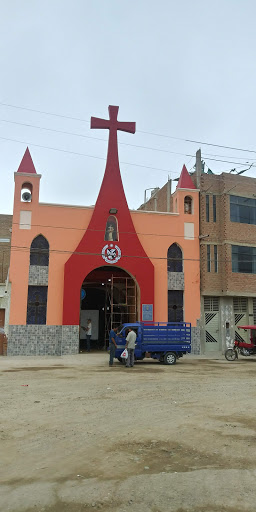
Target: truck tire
[(170, 358)]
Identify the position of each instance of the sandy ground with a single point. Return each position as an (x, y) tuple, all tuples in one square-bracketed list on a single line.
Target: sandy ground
[(78, 436)]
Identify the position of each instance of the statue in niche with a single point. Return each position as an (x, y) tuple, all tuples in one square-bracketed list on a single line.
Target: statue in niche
[(111, 233)]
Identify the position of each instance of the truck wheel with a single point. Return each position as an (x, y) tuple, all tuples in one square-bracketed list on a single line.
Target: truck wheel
[(121, 360), (170, 358)]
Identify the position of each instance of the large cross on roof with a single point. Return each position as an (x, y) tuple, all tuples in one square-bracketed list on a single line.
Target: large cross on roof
[(112, 124)]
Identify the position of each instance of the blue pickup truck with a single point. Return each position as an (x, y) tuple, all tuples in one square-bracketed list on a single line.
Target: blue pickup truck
[(166, 342)]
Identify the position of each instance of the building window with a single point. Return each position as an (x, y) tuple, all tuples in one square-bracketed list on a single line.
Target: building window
[(243, 259), (215, 258), (214, 208), (111, 232), (39, 251), (175, 306), (188, 205), (242, 209), (208, 258), (37, 305), (174, 259), (207, 209)]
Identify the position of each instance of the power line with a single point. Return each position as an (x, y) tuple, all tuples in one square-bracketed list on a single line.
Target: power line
[(140, 131), (17, 248), (125, 163), (174, 236), (64, 132), (83, 154)]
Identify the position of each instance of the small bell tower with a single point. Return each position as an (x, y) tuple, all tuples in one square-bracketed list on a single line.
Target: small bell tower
[(26, 194)]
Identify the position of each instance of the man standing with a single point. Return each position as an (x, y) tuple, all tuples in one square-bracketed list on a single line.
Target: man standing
[(130, 345), (112, 345), (88, 334)]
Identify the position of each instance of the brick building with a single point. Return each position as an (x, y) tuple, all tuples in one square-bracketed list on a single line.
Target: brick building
[(227, 253), (5, 249), (228, 258)]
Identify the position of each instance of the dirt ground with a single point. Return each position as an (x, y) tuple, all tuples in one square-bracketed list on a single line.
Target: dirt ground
[(78, 436)]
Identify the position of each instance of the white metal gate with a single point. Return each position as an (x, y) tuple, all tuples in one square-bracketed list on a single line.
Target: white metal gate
[(212, 324), (254, 311), (240, 305)]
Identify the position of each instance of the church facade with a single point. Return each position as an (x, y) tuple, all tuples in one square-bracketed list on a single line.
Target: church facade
[(106, 263)]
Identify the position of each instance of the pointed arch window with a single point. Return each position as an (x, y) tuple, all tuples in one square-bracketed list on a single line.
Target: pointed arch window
[(39, 251), (174, 259), (111, 232)]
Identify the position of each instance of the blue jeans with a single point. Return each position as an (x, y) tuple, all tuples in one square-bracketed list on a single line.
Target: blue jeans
[(88, 342), (112, 351)]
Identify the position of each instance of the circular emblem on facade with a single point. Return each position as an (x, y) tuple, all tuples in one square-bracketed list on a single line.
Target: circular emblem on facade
[(111, 253)]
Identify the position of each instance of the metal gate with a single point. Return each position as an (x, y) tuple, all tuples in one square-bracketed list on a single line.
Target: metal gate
[(212, 324), (254, 311), (240, 305)]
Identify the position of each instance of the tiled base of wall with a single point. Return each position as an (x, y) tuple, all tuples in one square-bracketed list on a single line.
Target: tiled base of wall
[(195, 341), (43, 340)]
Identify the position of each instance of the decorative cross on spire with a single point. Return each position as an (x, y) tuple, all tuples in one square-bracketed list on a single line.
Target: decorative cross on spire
[(112, 124)]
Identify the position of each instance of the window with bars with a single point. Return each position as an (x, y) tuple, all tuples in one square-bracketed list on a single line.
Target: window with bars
[(240, 304), (254, 311), (39, 251), (211, 304)]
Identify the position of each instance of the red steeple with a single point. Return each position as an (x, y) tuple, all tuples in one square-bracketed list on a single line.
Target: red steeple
[(185, 180), (95, 249), (26, 164)]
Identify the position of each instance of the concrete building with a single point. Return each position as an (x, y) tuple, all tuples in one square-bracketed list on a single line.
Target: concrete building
[(227, 253), (106, 263), (5, 249)]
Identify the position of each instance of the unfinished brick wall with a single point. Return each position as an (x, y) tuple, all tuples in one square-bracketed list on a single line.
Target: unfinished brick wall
[(5, 247), (158, 202)]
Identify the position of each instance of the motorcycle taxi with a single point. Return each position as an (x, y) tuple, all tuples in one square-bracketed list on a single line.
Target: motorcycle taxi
[(242, 348)]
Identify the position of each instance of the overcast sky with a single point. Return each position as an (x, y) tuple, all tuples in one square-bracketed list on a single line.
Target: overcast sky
[(180, 69)]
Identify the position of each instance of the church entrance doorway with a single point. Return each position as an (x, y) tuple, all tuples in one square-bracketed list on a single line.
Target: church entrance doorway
[(109, 298)]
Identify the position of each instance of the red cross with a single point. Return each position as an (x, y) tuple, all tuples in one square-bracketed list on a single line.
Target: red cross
[(112, 124)]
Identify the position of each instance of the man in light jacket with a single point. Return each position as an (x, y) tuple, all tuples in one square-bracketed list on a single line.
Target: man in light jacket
[(130, 345)]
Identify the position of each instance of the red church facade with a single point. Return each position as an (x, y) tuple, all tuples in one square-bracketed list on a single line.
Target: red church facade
[(117, 270)]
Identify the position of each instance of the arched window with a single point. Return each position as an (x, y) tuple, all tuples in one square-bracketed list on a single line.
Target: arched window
[(39, 251), (111, 232), (174, 259), (188, 205), (26, 192)]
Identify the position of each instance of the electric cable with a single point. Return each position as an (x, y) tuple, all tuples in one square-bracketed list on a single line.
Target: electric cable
[(64, 132), (139, 131), (121, 162)]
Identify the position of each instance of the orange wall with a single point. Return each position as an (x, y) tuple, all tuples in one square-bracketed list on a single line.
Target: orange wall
[(156, 231)]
